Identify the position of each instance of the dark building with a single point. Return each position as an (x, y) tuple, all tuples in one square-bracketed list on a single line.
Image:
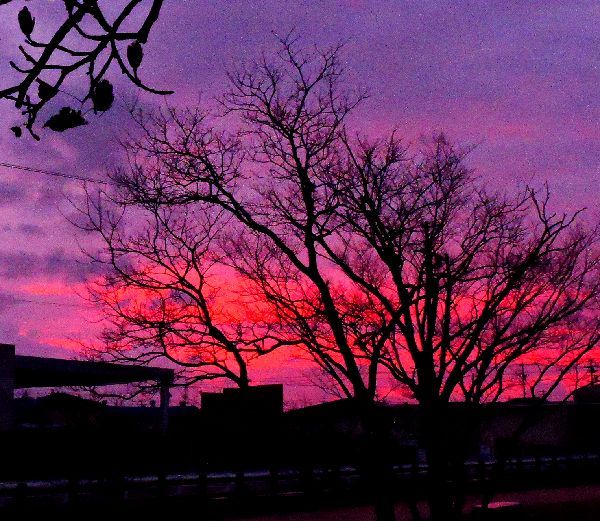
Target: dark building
[(70, 413), (335, 430), (24, 372), (263, 401), (61, 434), (57, 411), (248, 428), (587, 394), (243, 427)]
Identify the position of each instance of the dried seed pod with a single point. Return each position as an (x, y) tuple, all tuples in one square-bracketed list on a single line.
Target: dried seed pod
[(103, 96), (26, 21), (135, 54), (65, 119)]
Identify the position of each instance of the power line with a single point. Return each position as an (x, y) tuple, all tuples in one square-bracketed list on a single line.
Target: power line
[(75, 177), (13, 300)]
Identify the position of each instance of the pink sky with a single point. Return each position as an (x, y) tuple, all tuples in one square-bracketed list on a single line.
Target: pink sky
[(522, 79)]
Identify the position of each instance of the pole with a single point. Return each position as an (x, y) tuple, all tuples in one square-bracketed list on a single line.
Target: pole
[(165, 395)]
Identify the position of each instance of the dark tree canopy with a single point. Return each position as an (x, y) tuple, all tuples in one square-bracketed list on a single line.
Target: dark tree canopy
[(86, 40)]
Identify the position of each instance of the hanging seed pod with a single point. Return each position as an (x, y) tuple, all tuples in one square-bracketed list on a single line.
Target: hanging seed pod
[(17, 131), (26, 21), (65, 119), (135, 54), (103, 96)]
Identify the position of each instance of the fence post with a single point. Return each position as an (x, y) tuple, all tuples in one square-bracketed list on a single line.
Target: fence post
[(72, 490), (274, 480), (203, 480), (308, 480), (240, 485)]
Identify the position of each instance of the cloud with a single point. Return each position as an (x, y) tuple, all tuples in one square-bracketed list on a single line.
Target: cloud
[(27, 229), (31, 230), (57, 264), (11, 192)]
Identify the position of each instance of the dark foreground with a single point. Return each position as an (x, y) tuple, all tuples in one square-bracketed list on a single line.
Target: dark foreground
[(576, 503), (557, 488), (565, 504)]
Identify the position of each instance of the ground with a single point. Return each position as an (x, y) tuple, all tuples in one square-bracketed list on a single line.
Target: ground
[(580, 503)]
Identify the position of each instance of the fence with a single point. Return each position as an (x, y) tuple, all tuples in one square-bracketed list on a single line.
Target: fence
[(309, 482)]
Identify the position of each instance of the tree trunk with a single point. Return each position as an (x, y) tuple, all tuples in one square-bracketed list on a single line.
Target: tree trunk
[(382, 484), (377, 468), (439, 497), (442, 503)]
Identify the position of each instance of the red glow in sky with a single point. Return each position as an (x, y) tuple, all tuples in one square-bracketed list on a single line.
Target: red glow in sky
[(521, 79)]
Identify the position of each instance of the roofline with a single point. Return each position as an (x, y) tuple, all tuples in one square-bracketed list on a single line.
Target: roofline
[(35, 371)]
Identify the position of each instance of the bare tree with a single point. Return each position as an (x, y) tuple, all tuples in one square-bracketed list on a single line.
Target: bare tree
[(270, 181), (372, 257), (478, 282), (89, 40), (167, 293)]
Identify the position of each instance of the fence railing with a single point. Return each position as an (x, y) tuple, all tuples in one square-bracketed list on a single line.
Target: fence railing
[(293, 481)]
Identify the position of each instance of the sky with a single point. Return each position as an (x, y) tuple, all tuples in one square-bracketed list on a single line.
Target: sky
[(519, 78)]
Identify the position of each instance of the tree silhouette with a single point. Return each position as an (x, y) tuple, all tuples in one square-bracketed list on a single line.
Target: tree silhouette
[(86, 40), (169, 292), (476, 282), (373, 257)]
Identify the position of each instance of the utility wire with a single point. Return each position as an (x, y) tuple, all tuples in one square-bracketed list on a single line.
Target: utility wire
[(75, 177), (13, 300)]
